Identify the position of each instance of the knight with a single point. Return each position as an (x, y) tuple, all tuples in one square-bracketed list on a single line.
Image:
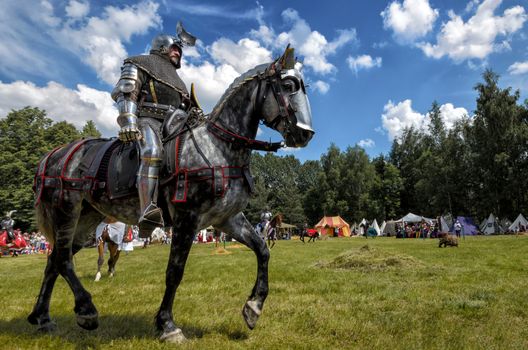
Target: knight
[(148, 91), (7, 224)]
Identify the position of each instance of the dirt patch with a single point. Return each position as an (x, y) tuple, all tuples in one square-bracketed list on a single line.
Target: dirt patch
[(221, 251), (368, 259)]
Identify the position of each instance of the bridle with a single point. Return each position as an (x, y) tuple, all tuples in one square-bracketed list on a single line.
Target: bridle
[(269, 80)]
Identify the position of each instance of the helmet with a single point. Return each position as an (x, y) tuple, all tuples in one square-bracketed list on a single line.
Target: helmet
[(162, 43)]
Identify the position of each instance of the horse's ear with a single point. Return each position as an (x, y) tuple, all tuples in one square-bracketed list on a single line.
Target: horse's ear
[(287, 60)]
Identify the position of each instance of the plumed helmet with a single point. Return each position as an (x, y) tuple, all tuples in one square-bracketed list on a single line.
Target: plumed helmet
[(162, 43)]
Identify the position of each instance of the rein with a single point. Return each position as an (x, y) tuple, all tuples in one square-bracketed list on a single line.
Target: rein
[(227, 135)]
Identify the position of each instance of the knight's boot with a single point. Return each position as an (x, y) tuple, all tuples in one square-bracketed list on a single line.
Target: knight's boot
[(151, 216)]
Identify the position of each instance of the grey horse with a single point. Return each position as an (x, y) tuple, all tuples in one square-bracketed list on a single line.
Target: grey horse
[(221, 143)]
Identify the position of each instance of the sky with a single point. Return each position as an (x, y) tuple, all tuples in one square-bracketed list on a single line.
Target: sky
[(372, 67)]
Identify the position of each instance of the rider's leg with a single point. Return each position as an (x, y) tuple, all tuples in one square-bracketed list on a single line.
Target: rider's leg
[(147, 180)]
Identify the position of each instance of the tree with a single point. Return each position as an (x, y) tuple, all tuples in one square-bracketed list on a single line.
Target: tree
[(25, 136), (90, 130), (496, 141)]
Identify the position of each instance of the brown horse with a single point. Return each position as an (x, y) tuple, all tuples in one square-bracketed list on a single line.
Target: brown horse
[(271, 229), (112, 241)]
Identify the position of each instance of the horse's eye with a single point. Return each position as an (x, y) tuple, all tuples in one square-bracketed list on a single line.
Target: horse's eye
[(289, 86)]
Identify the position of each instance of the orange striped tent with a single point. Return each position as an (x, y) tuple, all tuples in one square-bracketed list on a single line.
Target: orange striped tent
[(328, 223)]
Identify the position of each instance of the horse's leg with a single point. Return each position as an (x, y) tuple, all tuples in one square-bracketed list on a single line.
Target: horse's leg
[(100, 259), (242, 231), (114, 255), (40, 314), (65, 220), (181, 244)]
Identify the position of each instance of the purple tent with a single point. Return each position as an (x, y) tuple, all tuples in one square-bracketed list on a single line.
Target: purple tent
[(468, 226)]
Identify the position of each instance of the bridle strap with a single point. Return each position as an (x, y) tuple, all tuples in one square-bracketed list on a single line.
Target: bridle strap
[(232, 137)]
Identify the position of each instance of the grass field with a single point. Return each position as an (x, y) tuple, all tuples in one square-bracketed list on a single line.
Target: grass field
[(334, 294)]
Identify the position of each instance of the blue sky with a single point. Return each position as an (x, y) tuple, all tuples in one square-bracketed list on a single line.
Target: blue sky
[(374, 67)]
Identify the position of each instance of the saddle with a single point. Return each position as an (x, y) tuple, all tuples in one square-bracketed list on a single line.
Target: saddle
[(110, 166)]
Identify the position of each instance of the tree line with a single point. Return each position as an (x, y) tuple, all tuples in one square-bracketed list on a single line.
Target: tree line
[(475, 168), (472, 169)]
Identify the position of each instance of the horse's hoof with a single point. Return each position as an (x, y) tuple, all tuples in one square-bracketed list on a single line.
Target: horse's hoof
[(89, 322), (111, 274), (32, 318), (175, 337), (97, 276), (251, 313), (47, 327)]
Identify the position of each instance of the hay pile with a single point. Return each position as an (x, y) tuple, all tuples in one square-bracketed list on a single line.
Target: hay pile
[(367, 259), (221, 251)]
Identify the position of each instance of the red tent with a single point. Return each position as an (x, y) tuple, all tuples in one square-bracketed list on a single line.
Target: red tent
[(327, 225)]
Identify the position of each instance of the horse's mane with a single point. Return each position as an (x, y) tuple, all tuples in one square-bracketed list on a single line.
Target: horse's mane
[(277, 219), (238, 82)]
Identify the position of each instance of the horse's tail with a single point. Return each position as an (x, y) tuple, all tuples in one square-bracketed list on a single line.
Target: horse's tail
[(43, 209)]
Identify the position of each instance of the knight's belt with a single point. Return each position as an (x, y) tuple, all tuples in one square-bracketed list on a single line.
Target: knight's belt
[(155, 110)]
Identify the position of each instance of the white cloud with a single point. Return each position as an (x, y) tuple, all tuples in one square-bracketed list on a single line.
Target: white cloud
[(99, 43), (321, 86), (363, 62), (409, 20), (210, 81), (367, 143), (518, 68), (62, 104), (264, 34), (242, 56), (397, 117), (450, 115), (476, 38), (77, 9), (312, 45)]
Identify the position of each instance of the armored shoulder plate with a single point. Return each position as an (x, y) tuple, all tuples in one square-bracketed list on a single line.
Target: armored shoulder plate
[(127, 81)]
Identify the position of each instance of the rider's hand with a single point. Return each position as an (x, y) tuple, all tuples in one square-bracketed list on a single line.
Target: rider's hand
[(129, 133)]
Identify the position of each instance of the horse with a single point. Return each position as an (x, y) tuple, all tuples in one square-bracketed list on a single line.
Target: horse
[(313, 234), (271, 228), (112, 237), (206, 181)]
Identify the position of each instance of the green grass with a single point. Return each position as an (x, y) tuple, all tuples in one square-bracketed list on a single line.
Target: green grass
[(334, 294)]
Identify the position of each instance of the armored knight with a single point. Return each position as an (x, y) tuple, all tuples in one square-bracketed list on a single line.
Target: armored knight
[(148, 91), (7, 224)]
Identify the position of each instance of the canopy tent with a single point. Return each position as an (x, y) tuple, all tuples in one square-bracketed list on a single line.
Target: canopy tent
[(492, 226), (415, 218), (468, 226), (376, 227), (286, 226), (327, 225), (390, 229), (519, 225)]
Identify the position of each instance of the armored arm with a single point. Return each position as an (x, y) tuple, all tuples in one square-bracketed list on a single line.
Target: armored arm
[(126, 94)]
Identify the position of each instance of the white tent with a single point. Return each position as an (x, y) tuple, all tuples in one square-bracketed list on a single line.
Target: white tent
[(376, 227), (520, 221), (389, 229), (382, 227), (361, 230), (444, 227), (415, 218), (492, 226)]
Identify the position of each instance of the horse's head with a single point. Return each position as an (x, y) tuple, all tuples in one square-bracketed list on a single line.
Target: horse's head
[(284, 104)]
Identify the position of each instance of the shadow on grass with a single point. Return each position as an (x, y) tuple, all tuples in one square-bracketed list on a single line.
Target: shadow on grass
[(111, 328)]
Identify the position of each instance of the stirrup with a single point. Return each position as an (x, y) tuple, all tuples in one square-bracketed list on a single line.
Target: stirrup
[(150, 220)]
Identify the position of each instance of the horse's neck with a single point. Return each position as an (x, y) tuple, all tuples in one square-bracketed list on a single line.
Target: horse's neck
[(238, 111)]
